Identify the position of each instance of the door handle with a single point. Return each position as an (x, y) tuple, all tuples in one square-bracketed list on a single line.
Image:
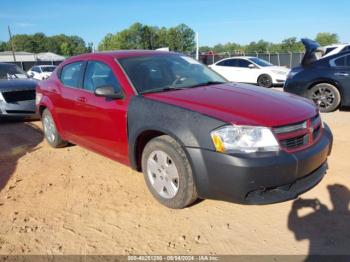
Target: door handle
[(81, 99), (341, 74)]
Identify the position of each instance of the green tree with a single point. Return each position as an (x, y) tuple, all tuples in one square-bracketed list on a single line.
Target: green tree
[(291, 45), (261, 47), (138, 36), (325, 38), (4, 46)]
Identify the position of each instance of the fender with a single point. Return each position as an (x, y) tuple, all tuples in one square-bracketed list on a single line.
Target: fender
[(46, 102), (189, 128)]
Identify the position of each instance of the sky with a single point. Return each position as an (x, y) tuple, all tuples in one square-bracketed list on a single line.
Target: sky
[(220, 21)]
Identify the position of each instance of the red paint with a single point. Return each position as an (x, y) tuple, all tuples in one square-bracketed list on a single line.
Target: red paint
[(242, 104), (90, 121)]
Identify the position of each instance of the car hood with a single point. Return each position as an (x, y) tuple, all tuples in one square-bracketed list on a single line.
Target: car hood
[(241, 104), (17, 84)]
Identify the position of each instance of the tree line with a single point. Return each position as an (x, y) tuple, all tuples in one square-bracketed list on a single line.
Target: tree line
[(39, 42), (180, 38), (291, 44)]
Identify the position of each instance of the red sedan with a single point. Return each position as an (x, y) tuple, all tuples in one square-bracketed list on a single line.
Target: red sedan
[(192, 133)]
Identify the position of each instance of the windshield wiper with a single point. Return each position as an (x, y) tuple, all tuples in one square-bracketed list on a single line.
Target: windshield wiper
[(170, 88), (162, 89), (209, 83)]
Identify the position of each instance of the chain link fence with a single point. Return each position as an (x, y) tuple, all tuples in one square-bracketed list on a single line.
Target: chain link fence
[(289, 60)]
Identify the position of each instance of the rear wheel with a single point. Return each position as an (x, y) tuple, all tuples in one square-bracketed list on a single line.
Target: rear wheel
[(265, 81), (50, 131), (168, 173), (325, 96)]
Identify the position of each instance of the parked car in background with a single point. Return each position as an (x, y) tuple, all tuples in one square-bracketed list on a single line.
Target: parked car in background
[(323, 79), (17, 92), (251, 70), (330, 50), (191, 133), (41, 72)]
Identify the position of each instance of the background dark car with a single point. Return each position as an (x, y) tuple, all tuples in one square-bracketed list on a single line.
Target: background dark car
[(17, 92), (325, 80)]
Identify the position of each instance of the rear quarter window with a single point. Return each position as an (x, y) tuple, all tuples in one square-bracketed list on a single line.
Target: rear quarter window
[(71, 74)]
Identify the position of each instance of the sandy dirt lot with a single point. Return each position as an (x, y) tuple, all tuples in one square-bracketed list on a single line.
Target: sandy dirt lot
[(72, 201)]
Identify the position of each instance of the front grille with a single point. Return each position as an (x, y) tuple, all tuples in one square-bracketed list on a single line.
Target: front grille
[(19, 112), (16, 96), (295, 142), (290, 128), (299, 135)]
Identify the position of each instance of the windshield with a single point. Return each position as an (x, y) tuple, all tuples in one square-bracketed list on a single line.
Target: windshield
[(160, 72), (48, 68), (260, 62), (10, 71)]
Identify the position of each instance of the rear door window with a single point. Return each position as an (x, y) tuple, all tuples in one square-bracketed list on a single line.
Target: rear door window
[(71, 74), (339, 61), (36, 69), (243, 63), (228, 62)]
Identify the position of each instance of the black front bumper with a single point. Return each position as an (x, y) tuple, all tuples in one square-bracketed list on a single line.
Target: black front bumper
[(260, 178)]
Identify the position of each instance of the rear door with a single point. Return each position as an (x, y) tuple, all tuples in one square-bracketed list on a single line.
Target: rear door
[(67, 108), (228, 69), (245, 73), (341, 72)]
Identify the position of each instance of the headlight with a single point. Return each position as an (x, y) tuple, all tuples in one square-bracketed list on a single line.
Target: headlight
[(244, 139), (1, 97), (38, 98), (279, 72)]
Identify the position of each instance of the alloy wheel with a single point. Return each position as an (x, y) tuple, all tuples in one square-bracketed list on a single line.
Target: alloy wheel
[(324, 97), (49, 128)]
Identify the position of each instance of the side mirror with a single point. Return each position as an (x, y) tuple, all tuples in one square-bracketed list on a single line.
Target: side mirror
[(31, 74), (108, 92), (251, 66)]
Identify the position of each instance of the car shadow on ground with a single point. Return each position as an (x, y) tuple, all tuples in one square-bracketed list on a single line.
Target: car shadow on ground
[(345, 109), (17, 138), (327, 230)]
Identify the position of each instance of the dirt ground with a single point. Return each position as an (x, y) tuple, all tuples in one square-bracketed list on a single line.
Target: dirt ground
[(72, 201)]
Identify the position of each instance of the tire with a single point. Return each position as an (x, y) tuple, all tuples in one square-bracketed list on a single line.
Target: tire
[(265, 81), (168, 173), (50, 132), (325, 96)]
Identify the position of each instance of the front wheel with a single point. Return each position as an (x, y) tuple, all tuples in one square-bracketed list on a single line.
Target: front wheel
[(50, 131), (265, 81), (326, 96), (168, 173)]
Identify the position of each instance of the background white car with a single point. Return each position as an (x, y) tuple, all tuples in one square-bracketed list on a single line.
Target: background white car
[(334, 49), (251, 70), (41, 72)]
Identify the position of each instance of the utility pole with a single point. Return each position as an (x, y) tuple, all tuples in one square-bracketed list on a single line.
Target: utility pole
[(197, 46), (12, 45)]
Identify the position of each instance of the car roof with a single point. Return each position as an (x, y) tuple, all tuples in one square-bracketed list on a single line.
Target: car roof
[(125, 53), (45, 65), (2, 63), (235, 57), (336, 45)]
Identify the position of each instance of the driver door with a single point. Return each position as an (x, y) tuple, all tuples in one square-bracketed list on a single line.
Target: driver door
[(102, 121)]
